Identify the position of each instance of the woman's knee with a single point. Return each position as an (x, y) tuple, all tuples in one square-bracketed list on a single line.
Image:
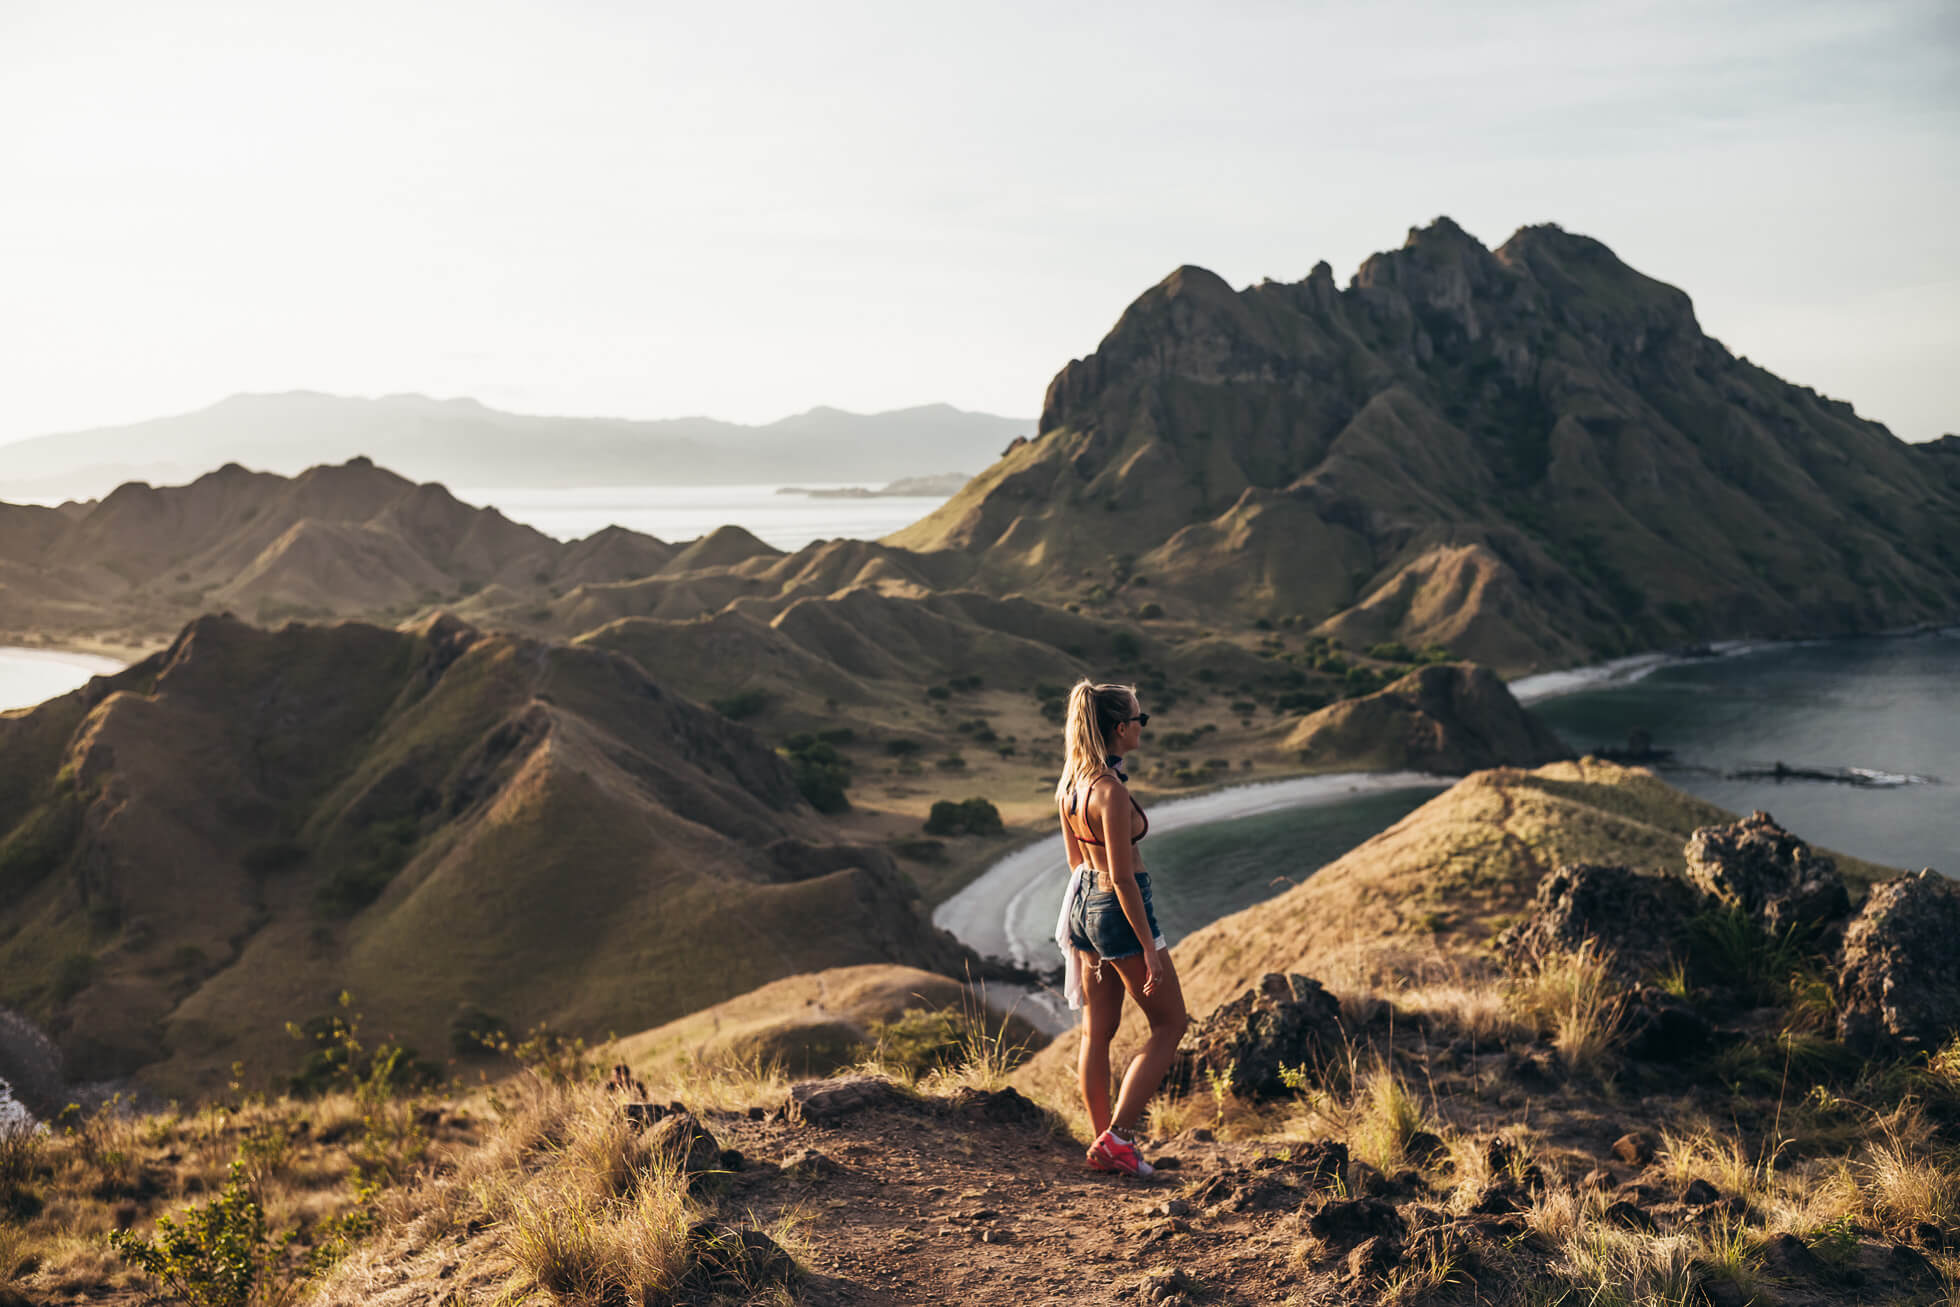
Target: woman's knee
[(1170, 1021)]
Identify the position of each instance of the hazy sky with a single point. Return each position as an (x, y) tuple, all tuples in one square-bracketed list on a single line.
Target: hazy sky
[(744, 210)]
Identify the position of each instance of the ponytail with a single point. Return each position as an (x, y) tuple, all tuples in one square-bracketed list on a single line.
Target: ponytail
[(1094, 713)]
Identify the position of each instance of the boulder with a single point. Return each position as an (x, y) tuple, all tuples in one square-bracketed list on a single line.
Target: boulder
[(1637, 917), (1659, 1027), (1285, 1022), (823, 1101), (1763, 870), (686, 1141), (1898, 976)]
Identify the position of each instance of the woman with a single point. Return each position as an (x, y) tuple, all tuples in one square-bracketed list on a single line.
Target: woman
[(1108, 926)]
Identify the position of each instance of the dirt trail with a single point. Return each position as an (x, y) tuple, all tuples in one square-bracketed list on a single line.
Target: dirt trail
[(918, 1205)]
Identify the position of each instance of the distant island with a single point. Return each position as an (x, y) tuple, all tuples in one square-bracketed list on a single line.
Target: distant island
[(938, 487), (463, 443)]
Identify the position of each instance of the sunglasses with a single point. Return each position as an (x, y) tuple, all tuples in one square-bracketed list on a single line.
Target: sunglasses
[(1141, 719)]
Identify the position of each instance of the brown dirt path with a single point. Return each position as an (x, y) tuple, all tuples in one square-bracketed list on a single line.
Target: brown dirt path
[(923, 1207)]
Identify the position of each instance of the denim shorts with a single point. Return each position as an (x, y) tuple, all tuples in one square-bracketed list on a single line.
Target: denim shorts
[(1100, 926)]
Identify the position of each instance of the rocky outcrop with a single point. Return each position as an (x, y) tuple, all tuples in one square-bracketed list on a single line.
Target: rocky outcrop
[(1636, 917), (1898, 977), (1254, 1043), (1756, 866), (1447, 718)]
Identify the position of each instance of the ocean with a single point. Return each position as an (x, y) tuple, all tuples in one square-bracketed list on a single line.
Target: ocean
[(1879, 714), (31, 676), (673, 513)]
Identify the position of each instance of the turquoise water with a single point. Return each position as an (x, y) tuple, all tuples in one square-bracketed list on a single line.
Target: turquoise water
[(1888, 706)]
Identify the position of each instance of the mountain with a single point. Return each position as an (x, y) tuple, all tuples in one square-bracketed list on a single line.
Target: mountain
[(335, 540), (1532, 455), (224, 836), (463, 442)]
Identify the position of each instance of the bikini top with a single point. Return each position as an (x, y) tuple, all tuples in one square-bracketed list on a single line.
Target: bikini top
[(1083, 836)]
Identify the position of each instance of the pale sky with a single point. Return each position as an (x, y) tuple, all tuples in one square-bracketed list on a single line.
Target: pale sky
[(746, 209)]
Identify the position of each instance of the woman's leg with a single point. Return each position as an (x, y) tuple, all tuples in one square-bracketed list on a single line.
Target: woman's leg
[(1165, 1009), (1102, 1012)]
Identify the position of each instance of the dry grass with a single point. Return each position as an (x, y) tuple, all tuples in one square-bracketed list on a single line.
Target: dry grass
[(1571, 998)]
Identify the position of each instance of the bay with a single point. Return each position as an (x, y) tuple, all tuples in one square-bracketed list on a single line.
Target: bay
[(31, 676), (1882, 711), (674, 513)]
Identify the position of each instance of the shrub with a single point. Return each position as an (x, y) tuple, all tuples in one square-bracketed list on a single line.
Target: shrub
[(973, 817), (212, 1254), (821, 773), (938, 692), (1125, 647), (741, 705), (1391, 651), (1150, 612), (472, 1030)]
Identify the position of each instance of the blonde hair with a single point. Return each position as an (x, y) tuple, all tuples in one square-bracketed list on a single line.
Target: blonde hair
[(1094, 713)]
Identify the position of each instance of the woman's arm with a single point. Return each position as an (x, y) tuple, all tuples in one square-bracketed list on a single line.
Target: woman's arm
[(1114, 822)]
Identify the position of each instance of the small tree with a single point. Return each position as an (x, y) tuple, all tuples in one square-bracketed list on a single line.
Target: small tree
[(212, 1254)]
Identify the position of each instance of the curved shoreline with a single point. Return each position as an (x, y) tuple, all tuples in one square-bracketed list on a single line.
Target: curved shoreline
[(92, 665), (986, 913)]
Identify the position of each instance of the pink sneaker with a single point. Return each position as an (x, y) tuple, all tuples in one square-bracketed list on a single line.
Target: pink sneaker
[(1109, 1153)]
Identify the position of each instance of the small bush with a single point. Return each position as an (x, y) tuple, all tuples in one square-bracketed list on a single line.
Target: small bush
[(902, 748), (951, 762), (973, 817), (741, 705), (1125, 647), (472, 1030), (1391, 651), (1150, 612), (210, 1255), (821, 773)]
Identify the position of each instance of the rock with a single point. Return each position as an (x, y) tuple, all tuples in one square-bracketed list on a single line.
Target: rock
[(758, 1114), (1283, 1023), (1634, 1218), (1909, 1264), (1163, 1287), (1638, 917), (1375, 1255), (1175, 1207), (1167, 1163), (687, 1142), (1659, 1027), (1002, 1107), (1323, 1161), (728, 1257), (1757, 866), (1425, 1148), (1700, 1193), (823, 1101), (1720, 1291), (1898, 975), (1786, 1257), (1598, 1178), (1633, 1148), (808, 1164), (1350, 1220), (732, 1159)]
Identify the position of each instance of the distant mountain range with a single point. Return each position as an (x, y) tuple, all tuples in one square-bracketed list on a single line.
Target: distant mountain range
[(461, 442), (1532, 455)]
